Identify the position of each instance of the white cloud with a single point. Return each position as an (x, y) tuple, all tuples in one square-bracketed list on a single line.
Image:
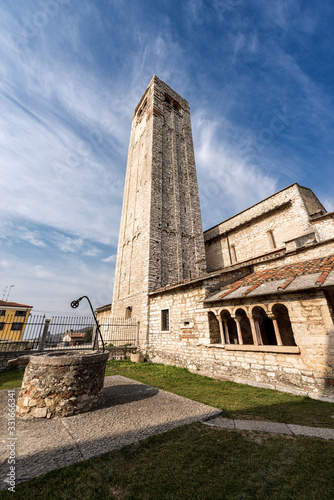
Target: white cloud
[(228, 182), (30, 236), (111, 258), (66, 243)]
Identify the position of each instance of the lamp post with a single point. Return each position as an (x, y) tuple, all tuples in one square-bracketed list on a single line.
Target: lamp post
[(75, 304)]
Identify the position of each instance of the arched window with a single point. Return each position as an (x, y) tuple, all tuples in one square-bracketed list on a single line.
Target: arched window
[(128, 312), (284, 324), (264, 326), (230, 328), (233, 254), (246, 331), (271, 238), (214, 328)]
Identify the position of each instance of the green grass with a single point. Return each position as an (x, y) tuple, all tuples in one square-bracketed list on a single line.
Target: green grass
[(11, 379), (197, 462), (236, 400)]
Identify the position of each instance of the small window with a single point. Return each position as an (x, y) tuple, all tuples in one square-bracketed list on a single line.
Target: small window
[(128, 312), (2, 324), (234, 254), (165, 320), (17, 326), (271, 238), (20, 313), (3, 312)]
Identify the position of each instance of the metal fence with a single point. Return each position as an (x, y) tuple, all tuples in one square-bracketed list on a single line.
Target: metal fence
[(65, 332)]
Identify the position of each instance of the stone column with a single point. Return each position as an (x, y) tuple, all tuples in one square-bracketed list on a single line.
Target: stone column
[(237, 320), (221, 328), (277, 332), (254, 330), (227, 333)]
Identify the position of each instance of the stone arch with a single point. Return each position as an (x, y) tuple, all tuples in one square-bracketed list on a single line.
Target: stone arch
[(281, 314), (230, 327), (214, 330), (265, 307), (245, 326), (264, 326)]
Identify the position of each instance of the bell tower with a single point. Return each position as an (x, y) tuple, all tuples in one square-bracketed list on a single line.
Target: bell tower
[(161, 237)]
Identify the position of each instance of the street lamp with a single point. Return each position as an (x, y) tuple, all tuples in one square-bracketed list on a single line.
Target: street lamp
[(75, 304)]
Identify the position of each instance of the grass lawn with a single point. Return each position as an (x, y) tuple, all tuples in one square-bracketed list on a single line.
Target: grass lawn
[(236, 400), (197, 462), (11, 379)]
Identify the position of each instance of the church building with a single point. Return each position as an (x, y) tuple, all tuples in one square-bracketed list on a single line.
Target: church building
[(249, 300)]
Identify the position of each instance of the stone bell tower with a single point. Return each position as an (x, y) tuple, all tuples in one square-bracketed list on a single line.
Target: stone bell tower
[(161, 237)]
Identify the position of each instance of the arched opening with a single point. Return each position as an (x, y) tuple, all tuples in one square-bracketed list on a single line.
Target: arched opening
[(246, 330), (230, 328), (265, 326), (284, 324), (234, 254), (128, 312), (214, 329), (271, 238)]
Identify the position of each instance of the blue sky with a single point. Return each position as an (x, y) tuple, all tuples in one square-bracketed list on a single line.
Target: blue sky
[(259, 78)]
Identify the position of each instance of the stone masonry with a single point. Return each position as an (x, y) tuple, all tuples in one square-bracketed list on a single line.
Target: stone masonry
[(161, 237), (60, 385)]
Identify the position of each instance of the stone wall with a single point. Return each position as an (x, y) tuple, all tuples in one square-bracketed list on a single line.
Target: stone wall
[(61, 384), (260, 229), (6, 356), (310, 371)]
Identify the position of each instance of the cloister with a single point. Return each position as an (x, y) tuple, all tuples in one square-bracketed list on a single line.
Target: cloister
[(259, 324)]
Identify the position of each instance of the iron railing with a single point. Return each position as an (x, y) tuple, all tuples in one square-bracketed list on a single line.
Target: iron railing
[(65, 332)]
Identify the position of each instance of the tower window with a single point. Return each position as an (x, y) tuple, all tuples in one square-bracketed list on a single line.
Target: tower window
[(128, 312), (233, 254), (164, 320), (271, 238)]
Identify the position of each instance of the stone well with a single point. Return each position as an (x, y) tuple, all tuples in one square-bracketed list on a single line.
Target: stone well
[(61, 384)]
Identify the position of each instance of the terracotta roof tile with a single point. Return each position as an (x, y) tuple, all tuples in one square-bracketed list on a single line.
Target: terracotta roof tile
[(253, 287), (288, 273), (286, 283)]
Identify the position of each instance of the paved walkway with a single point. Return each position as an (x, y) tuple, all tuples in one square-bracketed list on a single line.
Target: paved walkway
[(275, 427), (131, 411)]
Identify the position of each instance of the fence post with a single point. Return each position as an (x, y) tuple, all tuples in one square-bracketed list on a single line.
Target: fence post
[(41, 344), (96, 339), (137, 334)]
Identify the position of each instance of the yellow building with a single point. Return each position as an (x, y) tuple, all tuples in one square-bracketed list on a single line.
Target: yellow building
[(13, 320)]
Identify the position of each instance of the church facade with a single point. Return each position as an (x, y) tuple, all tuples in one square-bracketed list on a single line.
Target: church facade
[(249, 300)]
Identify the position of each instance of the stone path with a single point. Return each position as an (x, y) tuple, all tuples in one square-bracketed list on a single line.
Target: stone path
[(131, 411), (275, 427)]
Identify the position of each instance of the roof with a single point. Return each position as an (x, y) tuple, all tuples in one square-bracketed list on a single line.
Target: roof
[(305, 275), (76, 335), (107, 307), (4, 303)]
